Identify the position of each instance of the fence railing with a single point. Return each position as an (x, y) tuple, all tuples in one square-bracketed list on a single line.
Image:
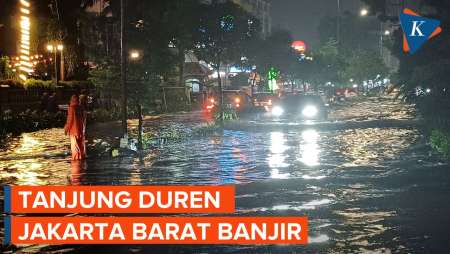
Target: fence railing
[(17, 99)]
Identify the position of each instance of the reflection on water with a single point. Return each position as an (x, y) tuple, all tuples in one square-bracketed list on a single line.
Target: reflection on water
[(322, 175), (309, 148), (318, 239), (365, 227), (277, 158), (235, 157), (28, 145), (375, 108), (275, 173), (310, 136), (375, 145), (78, 168), (35, 159)]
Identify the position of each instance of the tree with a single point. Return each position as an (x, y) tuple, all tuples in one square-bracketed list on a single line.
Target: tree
[(274, 52), (224, 30), (427, 68), (364, 65), (327, 66), (7, 35), (183, 23), (359, 33), (6, 71), (105, 78), (60, 22)]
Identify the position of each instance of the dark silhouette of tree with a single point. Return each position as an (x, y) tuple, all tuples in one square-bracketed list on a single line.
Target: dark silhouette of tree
[(427, 68)]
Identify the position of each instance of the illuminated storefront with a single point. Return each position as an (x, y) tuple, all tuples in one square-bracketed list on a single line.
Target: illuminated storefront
[(25, 64)]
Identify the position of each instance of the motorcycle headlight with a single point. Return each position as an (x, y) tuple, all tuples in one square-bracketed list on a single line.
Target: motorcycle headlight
[(277, 111), (310, 111)]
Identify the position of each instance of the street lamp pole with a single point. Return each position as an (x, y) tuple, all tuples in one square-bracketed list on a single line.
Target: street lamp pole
[(61, 62), (123, 58), (381, 40), (364, 12), (54, 48), (56, 66), (135, 56), (338, 23)]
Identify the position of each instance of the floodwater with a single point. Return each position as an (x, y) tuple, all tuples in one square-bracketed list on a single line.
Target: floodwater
[(364, 190)]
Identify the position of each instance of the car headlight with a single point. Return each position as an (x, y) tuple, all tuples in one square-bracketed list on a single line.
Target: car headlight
[(310, 111), (277, 111)]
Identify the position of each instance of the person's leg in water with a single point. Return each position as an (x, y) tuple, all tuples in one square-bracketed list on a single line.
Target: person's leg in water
[(77, 147)]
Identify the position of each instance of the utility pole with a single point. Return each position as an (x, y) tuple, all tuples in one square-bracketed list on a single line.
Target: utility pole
[(56, 66), (123, 78), (61, 65), (381, 39), (219, 80), (338, 23)]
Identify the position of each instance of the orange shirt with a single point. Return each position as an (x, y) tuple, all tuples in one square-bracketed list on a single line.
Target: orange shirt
[(75, 120)]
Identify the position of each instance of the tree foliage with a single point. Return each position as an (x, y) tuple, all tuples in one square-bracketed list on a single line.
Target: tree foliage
[(6, 71), (224, 32), (327, 65), (428, 67), (105, 76), (364, 65), (274, 51), (357, 33)]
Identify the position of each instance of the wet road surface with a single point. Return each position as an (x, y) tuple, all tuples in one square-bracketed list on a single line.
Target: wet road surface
[(365, 190)]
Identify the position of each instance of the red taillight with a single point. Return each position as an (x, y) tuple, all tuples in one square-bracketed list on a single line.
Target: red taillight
[(237, 100), (209, 106)]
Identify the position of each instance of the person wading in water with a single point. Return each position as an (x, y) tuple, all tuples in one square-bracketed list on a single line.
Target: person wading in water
[(75, 129)]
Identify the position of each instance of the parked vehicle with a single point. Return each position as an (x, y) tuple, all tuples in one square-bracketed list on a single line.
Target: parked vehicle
[(232, 99), (264, 101)]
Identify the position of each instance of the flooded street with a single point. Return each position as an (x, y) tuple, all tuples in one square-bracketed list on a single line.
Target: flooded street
[(364, 190)]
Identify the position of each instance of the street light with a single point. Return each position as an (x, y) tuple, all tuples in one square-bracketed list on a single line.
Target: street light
[(134, 54), (54, 48), (364, 12)]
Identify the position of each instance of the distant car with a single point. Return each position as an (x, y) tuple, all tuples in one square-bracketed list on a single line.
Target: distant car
[(210, 104), (345, 93), (307, 107), (232, 99), (264, 100)]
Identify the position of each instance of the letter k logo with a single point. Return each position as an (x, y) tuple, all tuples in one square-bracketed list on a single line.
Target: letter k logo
[(417, 30)]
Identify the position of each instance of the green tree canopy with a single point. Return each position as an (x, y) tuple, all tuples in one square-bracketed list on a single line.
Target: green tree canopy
[(224, 32), (364, 65)]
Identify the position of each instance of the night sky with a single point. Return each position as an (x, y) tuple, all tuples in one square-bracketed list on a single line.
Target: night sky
[(302, 17)]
